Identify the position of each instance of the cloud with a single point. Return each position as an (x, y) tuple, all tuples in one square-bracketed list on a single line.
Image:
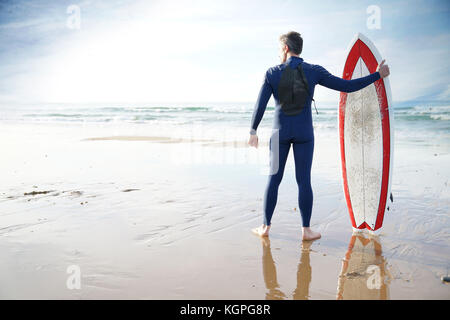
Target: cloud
[(202, 50)]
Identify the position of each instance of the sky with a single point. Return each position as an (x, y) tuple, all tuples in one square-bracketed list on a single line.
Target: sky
[(132, 51)]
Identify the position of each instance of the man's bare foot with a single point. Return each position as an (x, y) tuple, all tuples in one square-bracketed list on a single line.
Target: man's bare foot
[(310, 235), (262, 231)]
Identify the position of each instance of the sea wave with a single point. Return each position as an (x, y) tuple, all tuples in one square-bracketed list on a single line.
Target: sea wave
[(437, 116)]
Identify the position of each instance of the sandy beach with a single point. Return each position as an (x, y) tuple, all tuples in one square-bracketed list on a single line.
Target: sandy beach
[(142, 218), (126, 174)]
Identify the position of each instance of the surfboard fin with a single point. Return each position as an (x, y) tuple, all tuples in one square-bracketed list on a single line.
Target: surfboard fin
[(392, 198)]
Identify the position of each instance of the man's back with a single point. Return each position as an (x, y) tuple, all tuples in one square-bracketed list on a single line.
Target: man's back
[(314, 74)]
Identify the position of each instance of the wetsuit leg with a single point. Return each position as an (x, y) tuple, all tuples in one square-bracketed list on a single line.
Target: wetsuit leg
[(277, 164), (303, 155)]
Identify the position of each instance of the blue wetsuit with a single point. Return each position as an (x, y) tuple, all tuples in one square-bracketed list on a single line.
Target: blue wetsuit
[(296, 130)]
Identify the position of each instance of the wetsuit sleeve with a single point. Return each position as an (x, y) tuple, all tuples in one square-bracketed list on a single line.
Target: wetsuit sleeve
[(263, 98), (326, 79)]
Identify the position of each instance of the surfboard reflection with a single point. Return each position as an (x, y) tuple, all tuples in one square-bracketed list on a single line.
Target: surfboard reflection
[(270, 274), (363, 273)]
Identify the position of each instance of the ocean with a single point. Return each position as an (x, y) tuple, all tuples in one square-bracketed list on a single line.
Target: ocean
[(423, 122)]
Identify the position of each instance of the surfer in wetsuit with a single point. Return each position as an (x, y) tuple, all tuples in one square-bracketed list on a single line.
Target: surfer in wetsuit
[(293, 123)]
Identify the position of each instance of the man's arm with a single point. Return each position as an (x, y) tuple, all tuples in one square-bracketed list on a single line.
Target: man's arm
[(263, 98), (328, 80)]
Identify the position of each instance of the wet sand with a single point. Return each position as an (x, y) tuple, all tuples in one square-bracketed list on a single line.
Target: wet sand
[(141, 224)]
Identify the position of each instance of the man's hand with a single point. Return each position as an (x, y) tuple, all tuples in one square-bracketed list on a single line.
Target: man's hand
[(253, 141), (383, 69)]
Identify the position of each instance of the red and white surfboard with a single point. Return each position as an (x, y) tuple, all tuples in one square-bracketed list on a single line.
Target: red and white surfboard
[(366, 138)]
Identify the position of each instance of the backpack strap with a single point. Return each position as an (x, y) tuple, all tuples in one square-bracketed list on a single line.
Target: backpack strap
[(305, 83)]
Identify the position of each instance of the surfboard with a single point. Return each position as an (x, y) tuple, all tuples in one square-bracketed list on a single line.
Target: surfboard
[(365, 124)]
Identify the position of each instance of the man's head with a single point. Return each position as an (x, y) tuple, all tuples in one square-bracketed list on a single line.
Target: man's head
[(291, 44)]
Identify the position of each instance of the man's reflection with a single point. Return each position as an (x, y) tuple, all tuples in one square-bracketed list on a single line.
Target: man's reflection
[(363, 273), (270, 273), (303, 273)]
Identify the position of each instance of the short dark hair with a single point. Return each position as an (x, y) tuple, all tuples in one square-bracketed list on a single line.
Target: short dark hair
[(293, 40)]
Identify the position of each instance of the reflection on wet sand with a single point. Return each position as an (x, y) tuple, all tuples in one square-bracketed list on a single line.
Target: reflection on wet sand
[(270, 273), (363, 274), (303, 273)]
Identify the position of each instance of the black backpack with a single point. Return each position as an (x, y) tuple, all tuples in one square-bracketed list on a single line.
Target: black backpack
[(293, 90)]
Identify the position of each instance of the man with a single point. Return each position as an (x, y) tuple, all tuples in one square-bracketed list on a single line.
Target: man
[(293, 122)]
